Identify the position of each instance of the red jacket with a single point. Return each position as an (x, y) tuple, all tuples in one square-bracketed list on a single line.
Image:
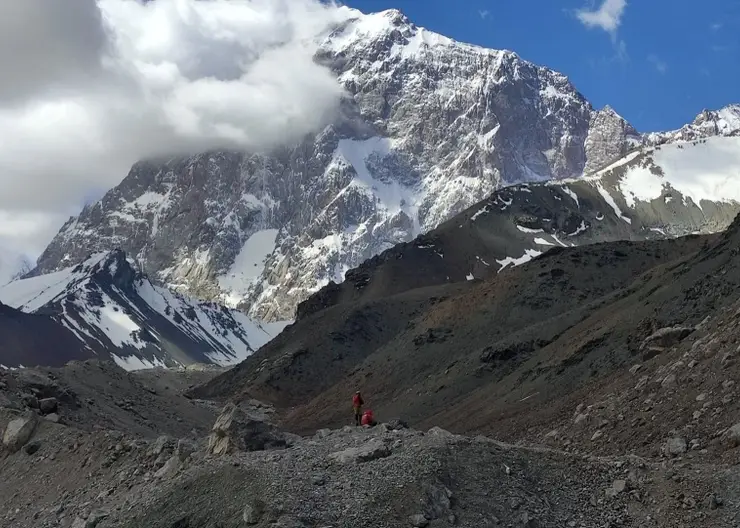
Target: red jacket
[(357, 400)]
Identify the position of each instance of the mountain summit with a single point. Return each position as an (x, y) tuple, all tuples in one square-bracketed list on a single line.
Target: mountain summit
[(429, 128)]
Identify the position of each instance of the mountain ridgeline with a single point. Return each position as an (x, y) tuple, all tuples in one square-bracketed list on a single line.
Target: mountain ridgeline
[(429, 128), (104, 308)]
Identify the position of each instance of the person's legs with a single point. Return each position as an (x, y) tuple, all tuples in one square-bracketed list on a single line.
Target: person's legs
[(358, 415)]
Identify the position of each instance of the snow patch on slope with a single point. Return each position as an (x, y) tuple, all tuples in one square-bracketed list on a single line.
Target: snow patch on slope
[(706, 170), (248, 266), (529, 254)]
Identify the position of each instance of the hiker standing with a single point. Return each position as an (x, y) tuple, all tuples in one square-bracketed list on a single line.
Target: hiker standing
[(357, 403)]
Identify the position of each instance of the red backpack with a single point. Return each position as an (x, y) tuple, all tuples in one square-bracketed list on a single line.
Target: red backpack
[(367, 418)]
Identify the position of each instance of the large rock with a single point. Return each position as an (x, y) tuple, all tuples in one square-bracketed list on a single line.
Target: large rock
[(19, 431), (675, 446), (48, 405), (237, 430), (170, 468), (667, 337), (732, 436), (252, 512), (372, 450)]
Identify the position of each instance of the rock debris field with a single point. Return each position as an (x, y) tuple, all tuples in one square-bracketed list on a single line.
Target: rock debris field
[(64, 465)]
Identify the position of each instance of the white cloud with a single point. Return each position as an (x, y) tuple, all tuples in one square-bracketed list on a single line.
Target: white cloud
[(660, 65), (91, 86), (607, 17), (484, 13), (716, 26)]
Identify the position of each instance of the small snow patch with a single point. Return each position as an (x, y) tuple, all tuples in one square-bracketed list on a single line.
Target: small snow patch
[(481, 211), (580, 229), (572, 194), (529, 229), (609, 200), (529, 254)]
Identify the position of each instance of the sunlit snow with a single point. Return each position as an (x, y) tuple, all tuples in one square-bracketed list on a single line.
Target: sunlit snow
[(707, 170), (529, 254)]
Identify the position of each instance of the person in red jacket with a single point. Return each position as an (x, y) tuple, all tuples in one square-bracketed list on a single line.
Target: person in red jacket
[(357, 403)]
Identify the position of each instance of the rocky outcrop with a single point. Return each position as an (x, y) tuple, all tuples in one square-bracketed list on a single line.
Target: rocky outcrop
[(365, 453), (19, 431), (609, 138), (236, 429)]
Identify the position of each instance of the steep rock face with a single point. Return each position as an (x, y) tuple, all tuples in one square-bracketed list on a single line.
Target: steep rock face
[(430, 126), (103, 307), (609, 138)]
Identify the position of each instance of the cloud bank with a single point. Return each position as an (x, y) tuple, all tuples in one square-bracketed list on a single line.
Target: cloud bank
[(91, 86)]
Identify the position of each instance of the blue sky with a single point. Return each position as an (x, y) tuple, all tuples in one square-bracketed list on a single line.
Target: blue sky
[(657, 62)]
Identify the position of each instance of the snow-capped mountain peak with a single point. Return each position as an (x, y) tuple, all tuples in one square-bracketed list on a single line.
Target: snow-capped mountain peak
[(118, 313), (709, 123), (429, 128)]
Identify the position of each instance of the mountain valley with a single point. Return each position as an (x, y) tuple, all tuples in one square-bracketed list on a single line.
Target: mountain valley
[(538, 303)]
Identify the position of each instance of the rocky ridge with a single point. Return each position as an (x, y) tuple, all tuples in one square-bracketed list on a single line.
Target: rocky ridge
[(105, 308), (429, 128)]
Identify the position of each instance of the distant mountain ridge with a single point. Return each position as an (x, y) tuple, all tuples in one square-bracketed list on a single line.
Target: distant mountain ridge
[(116, 313)]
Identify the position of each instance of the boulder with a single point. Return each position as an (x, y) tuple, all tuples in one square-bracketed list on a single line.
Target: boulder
[(397, 423), (253, 512), (418, 520), (184, 450), (441, 433), (732, 436), (667, 337), (618, 486), (675, 446), (372, 450), (8, 403), (31, 401), (53, 417), (48, 405), (19, 431), (437, 502), (237, 430), (160, 445), (170, 468)]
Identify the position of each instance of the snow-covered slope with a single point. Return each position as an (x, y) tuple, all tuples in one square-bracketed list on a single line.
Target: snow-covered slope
[(121, 315), (430, 127)]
